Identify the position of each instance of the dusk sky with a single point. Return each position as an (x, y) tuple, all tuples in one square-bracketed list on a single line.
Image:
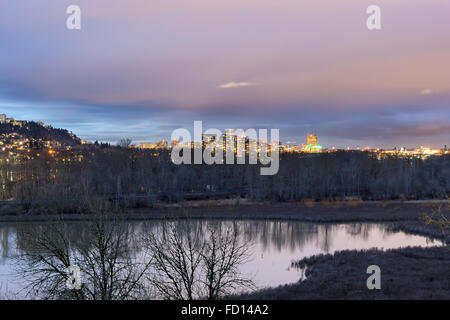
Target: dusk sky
[(141, 68)]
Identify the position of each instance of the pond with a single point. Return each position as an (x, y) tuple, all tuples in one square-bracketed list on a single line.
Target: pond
[(275, 244)]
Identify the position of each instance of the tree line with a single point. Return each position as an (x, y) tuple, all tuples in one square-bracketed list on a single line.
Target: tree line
[(106, 178)]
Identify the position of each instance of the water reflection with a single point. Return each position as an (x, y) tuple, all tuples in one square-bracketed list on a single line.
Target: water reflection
[(276, 243)]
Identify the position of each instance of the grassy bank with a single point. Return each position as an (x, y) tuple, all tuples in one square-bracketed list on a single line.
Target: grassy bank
[(308, 211)]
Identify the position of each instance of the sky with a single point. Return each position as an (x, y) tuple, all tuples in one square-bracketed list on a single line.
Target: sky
[(141, 69)]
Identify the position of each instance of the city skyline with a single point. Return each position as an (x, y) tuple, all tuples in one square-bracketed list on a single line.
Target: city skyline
[(139, 70), (310, 145)]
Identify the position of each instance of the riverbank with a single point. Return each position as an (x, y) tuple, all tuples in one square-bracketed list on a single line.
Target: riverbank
[(408, 273)]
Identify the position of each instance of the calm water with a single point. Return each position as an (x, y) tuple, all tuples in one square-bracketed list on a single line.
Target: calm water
[(275, 245)]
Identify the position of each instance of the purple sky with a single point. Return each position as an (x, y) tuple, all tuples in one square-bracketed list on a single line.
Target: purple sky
[(141, 68)]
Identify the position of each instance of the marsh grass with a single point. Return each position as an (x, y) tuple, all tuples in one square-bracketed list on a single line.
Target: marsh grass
[(407, 273)]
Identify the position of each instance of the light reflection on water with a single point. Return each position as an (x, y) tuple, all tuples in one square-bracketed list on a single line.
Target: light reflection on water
[(275, 245)]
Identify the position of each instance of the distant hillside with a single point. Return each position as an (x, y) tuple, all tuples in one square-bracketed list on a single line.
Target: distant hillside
[(39, 131)]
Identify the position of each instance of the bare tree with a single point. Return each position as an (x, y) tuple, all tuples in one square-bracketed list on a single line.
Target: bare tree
[(99, 247), (124, 143), (189, 262), (221, 257)]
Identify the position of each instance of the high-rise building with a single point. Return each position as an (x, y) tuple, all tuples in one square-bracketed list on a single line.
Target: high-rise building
[(2, 118), (311, 139), (208, 138), (162, 144), (229, 139), (311, 144), (174, 143)]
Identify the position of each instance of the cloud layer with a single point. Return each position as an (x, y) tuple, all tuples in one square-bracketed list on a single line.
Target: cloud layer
[(233, 84), (138, 68)]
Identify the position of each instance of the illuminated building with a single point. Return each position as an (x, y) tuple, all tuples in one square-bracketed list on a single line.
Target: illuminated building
[(158, 145), (229, 140), (311, 139), (174, 143), (147, 145), (2, 118), (162, 144), (207, 139), (311, 144)]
